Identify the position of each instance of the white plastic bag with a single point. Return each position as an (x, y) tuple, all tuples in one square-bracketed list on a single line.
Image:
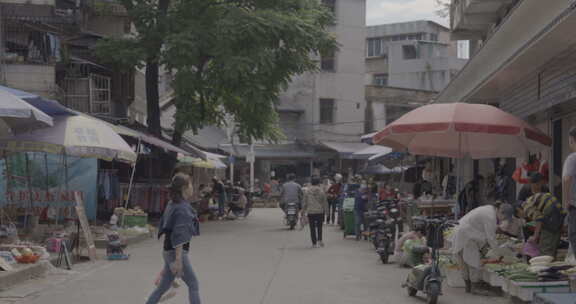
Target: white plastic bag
[(303, 222), (171, 292)]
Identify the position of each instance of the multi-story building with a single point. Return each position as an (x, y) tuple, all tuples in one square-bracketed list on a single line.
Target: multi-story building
[(53, 40), (406, 65), (322, 114), (523, 60)]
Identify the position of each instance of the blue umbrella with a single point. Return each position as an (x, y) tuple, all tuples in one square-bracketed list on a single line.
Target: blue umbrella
[(48, 106), (19, 116)]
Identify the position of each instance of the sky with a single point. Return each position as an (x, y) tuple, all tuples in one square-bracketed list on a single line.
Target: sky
[(390, 11)]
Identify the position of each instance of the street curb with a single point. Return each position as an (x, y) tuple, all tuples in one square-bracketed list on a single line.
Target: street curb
[(23, 274), (27, 272)]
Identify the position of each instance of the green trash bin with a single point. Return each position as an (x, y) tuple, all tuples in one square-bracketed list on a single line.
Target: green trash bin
[(348, 216), (349, 223)]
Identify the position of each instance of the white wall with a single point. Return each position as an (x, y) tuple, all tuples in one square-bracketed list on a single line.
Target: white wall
[(345, 85), (431, 71), (34, 78)]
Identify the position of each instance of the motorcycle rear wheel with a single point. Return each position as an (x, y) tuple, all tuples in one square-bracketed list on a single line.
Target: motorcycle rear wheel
[(292, 225), (384, 256), (412, 291)]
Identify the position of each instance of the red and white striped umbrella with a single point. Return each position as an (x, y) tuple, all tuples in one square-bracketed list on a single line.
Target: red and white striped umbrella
[(458, 130)]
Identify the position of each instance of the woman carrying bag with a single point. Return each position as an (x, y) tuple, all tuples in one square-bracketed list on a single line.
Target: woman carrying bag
[(178, 225)]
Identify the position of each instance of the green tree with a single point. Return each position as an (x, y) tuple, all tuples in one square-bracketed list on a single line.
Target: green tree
[(151, 21), (234, 58)]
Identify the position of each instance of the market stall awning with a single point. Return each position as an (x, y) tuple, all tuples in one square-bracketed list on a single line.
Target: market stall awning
[(216, 159), (378, 158), (149, 139), (195, 162), (370, 151), (212, 161), (345, 149), (367, 139), (289, 151), (78, 135)]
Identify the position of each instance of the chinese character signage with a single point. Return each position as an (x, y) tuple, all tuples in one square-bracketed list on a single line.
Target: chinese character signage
[(48, 188)]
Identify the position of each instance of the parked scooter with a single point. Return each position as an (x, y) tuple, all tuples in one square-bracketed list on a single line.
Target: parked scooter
[(383, 226), (427, 278), (291, 214)]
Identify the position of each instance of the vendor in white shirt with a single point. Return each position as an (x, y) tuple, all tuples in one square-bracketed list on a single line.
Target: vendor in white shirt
[(475, 230)]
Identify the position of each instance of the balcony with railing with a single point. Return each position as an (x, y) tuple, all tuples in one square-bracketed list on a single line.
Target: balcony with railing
[(473, 19)]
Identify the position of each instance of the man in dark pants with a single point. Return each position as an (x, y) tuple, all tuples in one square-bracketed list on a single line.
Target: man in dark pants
[(360, 206), (219, 193), (569, 189)]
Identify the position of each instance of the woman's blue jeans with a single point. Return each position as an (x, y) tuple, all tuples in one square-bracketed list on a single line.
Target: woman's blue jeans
[(188, 277)]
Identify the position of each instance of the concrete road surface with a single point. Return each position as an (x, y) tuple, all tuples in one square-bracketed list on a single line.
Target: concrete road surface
[(251, 261)]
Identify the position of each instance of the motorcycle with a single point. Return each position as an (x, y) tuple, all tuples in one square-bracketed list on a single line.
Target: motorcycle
[(384, 238), (292, 214), (427, 278), (383, 226)]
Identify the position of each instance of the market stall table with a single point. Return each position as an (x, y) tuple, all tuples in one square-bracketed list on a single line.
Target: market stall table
[(554, 298)]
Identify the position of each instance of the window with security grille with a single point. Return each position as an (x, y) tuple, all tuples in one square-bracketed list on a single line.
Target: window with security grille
[(327, 110), (380, 80)]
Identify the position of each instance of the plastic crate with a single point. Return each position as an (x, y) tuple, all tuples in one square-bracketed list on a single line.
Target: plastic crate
[(135, 220), (554, 298), (525, 291)]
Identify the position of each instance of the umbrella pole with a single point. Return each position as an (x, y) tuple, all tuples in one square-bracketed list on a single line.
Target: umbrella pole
[(47, 181), (29, 186), (459, 178), (66, 184), (402, 175), (131, 180)]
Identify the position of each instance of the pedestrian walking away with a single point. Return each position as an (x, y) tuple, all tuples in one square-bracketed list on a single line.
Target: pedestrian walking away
[(360, 205), (178, 225), (315, 206), (569, 189)]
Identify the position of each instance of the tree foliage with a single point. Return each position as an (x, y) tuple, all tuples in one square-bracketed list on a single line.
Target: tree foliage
[(230, 57)]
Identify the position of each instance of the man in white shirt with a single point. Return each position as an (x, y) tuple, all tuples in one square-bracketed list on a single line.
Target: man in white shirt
[(569, 189), (474, 231)]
